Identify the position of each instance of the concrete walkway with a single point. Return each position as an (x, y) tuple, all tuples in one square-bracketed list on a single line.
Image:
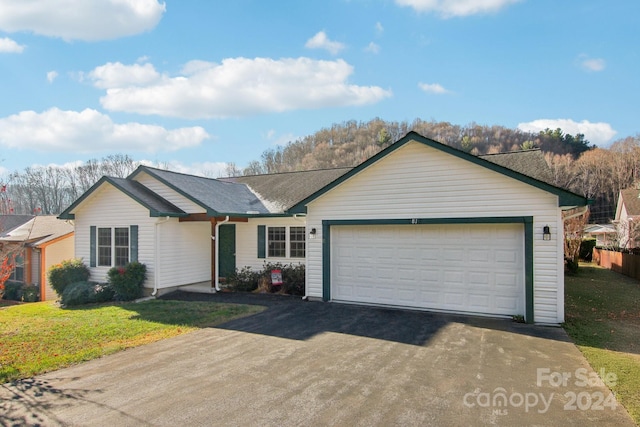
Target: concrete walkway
[(310, 363)]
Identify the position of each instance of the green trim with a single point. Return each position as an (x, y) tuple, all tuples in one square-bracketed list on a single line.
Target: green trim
[(92, 246), (565, 198), (528, 246), (262, 239), (133, 238), (326, 261), (528, 271)]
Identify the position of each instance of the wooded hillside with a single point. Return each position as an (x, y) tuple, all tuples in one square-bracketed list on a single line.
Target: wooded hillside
[(597, 173)]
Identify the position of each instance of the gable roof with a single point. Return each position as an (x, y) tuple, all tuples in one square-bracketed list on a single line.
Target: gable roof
[(283, 190), (216, 196), (631, 199), (157, 205), (9, 222), (38, 230), (565, 198)]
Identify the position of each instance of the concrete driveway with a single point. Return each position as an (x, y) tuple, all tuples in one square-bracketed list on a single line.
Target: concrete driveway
[(310, 363)]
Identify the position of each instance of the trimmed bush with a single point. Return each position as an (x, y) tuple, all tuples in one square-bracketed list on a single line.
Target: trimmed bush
[(243, 280), (79, 293), (586, 249), (248, 280), (12, 291), (87, 292), (67, 272), (30, 293), (127, 281)]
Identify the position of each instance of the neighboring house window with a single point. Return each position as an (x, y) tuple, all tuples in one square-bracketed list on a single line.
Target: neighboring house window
[(297, 242), (113, 246), (277, 242), (281, 240), (18, 270)]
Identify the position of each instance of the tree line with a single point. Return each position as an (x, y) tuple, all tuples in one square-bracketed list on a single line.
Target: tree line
[(577, 165)]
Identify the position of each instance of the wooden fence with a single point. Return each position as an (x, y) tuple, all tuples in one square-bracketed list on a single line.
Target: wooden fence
[(627, 264)]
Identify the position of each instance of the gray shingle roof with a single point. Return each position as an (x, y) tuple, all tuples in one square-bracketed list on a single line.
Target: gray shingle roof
[(280, 191), (217, 196), (154, 202), (9, 222), (528, 162)]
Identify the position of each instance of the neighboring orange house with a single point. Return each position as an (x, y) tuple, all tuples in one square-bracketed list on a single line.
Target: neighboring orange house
[(46, 241)]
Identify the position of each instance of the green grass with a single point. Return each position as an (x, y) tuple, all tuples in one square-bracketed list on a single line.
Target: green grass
[(40, 337), (603, 319)]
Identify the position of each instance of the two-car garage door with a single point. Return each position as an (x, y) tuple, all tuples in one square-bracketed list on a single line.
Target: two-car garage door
[(477, 268)]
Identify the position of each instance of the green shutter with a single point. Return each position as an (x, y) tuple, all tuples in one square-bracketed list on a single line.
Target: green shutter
[(133, 243), (262, 233), (92, 246)]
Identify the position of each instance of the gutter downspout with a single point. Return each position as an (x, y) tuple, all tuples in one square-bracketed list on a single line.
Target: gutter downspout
[(156, 266), (217, 254), (582, 212)]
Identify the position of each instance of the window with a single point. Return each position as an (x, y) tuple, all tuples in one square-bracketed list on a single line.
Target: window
[(18, 271), (283, 240), (277, 241), (113, 246), (297, 242)]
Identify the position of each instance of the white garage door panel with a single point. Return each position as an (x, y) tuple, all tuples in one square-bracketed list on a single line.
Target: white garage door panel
[(462, 267)]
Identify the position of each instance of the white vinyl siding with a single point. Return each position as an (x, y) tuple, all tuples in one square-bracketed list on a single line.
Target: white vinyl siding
[(247, 241), (108, 207), (417, 181)]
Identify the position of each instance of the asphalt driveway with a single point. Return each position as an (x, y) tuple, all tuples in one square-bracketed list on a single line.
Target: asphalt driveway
[(311, 363)]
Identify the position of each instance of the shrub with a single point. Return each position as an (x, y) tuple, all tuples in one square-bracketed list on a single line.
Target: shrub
[(586, 249), (79, 293), (127, 281), (67, 272), (243, 280), (248, 280), (86, 292), (13, 291), (30, 293)]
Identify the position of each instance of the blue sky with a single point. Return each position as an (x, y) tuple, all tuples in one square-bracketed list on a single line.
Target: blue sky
[(199, 83)]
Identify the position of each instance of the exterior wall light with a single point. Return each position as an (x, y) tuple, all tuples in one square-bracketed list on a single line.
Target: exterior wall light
[(546, 233), (312, 233)]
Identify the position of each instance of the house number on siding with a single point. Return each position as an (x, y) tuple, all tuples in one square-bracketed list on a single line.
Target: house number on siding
[(414, 220)]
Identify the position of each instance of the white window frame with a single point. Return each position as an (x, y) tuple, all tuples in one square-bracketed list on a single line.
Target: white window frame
[(287, 242), (112, 246)]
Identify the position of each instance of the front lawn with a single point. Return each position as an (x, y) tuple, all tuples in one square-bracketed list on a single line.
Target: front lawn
[(40, 337), (603, 319)]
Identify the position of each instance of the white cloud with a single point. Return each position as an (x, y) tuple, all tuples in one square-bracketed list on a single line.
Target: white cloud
[(372, 48), (81, 19), (597, 133), (379, 28), (51, 76), (450, 8), (591, 64), (116, 74), (90, 130), (434, 88), (237, 87), (321, 41), (8, 45)]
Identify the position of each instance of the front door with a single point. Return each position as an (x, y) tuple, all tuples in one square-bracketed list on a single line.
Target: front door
[(227, 248)]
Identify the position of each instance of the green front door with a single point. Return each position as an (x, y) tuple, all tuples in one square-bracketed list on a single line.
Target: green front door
[(227, 248)]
